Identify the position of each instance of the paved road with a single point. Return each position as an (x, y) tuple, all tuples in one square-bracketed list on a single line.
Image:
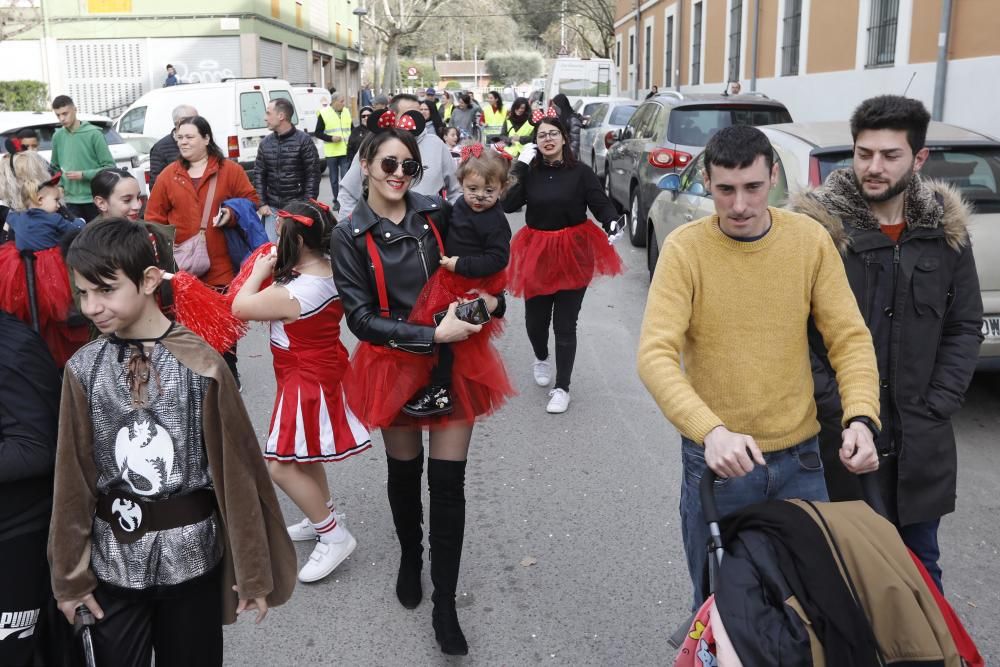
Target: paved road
[(589, 498)]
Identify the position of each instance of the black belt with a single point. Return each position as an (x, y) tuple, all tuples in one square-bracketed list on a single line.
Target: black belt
[(130, 517)]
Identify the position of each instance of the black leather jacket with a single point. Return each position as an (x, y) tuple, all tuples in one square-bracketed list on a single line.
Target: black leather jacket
[(409, 254), (286, 169)]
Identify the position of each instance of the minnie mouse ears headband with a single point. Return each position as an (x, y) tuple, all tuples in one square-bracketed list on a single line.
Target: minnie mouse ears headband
[(476, 150), (538, 116), (411, 121)]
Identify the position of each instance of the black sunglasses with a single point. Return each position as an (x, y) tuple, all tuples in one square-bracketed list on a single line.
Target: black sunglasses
[(390, 165)]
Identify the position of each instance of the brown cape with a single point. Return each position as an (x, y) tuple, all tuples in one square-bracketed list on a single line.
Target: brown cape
[(259, 557)]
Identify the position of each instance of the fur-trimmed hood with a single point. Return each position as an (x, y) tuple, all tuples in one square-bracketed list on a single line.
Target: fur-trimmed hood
[(929, 204)]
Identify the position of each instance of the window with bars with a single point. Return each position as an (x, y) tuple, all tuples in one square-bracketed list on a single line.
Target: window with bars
[(618, 53), (648, 59), (735, 36), (882, 24), (792, 29), (631, 49), (668, 54), (696, 44)]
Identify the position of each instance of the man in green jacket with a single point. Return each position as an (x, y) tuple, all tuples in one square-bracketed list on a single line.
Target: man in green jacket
[(79, 151)]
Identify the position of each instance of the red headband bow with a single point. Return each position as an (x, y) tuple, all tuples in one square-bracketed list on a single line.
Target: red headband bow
[(318, 203), (501, 148), (538, 115), (404, 122), (304, 219), (470, 151)]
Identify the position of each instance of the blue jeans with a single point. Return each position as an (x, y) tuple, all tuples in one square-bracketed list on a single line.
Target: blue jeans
[(337, 167), (271, 226), (796, 472), (922, 539)]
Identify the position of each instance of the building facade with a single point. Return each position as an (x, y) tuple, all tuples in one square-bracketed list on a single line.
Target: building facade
[(819, 57), (107, 53)]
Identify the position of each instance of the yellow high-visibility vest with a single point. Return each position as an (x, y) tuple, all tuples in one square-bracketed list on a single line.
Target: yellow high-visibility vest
[(336, 125), (515, 135), (493, 121), (446, 112)]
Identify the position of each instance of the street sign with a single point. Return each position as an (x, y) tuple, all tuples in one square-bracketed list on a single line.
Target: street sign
[(412, 71)]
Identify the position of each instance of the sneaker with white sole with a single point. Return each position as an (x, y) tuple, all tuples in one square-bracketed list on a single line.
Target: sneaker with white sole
[(558, 401), (542, 371), (303, 530), (325, 558)]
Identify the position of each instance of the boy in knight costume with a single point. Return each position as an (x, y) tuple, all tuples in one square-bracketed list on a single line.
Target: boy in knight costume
[(165, 523)]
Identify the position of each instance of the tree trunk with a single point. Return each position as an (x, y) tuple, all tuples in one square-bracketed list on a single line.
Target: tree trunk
[(390, 79), (376, 76)]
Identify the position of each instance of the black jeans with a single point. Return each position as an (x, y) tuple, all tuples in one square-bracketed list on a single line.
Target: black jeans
[(562, 310), (24, 597), (181, 624)]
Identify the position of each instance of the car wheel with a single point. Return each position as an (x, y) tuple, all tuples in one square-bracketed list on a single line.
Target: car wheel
[(652, 252), (636, 227)]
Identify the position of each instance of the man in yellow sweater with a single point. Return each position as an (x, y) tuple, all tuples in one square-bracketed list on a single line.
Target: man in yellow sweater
[(724, 346)]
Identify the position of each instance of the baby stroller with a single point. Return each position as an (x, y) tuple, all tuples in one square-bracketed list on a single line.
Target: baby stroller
[(818, 584)]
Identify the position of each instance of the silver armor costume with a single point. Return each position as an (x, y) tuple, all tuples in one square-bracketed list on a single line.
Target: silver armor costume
[(154, 452)]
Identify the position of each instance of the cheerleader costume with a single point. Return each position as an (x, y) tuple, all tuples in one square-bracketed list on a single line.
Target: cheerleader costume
[(382, 379), (311, 421)]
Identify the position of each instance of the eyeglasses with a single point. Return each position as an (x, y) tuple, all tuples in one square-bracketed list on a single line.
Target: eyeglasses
[(390, 165), (544, 136), (365, 115)]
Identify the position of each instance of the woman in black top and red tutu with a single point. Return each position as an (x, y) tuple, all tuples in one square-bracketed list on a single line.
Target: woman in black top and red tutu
[(383, 256), (559, 251)]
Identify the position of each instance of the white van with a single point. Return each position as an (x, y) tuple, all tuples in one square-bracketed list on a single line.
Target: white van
[(309, 99), (233, 107), (582, 77)]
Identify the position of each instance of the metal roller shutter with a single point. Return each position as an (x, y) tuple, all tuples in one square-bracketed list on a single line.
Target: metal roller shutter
[(269, 59), (197, 59), (298, 65)]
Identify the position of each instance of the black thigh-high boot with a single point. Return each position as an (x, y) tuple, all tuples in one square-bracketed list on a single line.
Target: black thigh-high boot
[(403, 490), (447, 485)]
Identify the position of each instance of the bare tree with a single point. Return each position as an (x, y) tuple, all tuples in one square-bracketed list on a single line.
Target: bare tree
[(17, 16), (593, 22), (393, 20)]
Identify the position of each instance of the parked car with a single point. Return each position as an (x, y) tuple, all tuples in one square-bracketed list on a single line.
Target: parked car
[(45, 124), (308, 102), (599, 134), (664, 134), (233, 107), (142, 145), (586, 106), (808, 152)]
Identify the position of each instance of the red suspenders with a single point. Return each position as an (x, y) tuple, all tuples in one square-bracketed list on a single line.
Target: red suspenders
[(380, 287)]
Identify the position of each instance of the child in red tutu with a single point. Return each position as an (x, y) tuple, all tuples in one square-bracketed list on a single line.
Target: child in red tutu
[(477, 251), (311, 423)]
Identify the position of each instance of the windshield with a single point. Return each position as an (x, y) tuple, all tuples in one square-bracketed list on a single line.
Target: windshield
[(621, 114), (694, 126), (974, 171)]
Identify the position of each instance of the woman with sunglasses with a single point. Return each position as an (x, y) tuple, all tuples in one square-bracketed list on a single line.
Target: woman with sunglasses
[(291, 288), (358, 134), (383, 255), (558, 252)]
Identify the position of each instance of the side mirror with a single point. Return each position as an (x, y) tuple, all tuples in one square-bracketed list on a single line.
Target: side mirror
[(619, 134), (670, 182), (697, 189)]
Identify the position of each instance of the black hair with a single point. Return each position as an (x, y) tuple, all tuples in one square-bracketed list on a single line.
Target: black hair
[(396, 99), (737, 147), (569, 160), (315, 237), (435, 118), (26, 133), (205, 130), (374, 140), (893, 112), (62, 101), (107, 245), (561, 102), (499, 98), (465, 97), (282, 105), (106, 181), (520, 120), (169, 66)]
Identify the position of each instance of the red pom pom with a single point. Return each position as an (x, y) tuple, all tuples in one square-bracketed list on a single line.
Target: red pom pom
[(206, 312), (245, 270), (13, 283)]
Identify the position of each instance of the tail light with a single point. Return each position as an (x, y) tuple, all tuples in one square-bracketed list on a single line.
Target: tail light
[(815, 179), (609, 139), (145, 175), (233, 145), (666, 158)]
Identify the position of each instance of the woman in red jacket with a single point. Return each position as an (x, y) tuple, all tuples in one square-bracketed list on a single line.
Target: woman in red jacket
[(180, 195)]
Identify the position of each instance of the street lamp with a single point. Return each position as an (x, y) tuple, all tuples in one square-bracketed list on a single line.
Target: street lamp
[(360, 12)]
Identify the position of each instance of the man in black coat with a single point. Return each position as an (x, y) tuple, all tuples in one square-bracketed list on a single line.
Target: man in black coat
[(165, 150), (906, 249), (287, 166)]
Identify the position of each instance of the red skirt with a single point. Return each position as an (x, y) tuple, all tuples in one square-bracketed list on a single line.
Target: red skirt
[(52, 296), (446, 287), (543, 262)]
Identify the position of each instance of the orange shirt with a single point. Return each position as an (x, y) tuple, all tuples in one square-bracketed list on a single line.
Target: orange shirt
[(893, 231)]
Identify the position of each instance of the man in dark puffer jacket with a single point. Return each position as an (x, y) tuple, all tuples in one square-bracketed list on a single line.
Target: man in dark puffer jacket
[(287, 165)]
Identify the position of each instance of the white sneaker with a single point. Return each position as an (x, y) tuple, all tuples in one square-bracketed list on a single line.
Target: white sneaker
[(325, 558), (543, 372), (559, 401), (303, 530)]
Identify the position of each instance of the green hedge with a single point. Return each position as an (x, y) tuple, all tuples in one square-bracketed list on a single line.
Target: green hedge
[(23, 96)]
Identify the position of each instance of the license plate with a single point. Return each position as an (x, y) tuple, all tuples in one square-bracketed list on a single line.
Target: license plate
[(991, 327), (251, 142)]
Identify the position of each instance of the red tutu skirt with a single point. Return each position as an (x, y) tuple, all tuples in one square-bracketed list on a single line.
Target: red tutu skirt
[(446, 287), (543, 262), (380, 380), (52, 295)]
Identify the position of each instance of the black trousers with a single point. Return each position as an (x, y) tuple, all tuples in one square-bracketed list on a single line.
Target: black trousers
[(561, 310), (25, 598), (441, 375), (181, 624)]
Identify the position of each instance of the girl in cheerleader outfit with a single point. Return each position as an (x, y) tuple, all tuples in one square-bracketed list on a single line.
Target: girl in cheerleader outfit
[(311, 423), (477, 251)]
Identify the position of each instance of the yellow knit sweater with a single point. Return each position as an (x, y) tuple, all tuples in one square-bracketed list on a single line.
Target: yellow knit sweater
[(736, 312)]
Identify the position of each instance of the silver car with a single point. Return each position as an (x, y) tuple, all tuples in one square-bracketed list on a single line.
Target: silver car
[(599, 132), (808, 152)]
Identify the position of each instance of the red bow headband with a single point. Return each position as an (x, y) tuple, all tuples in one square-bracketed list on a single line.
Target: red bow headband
[(539, 115), (304, 219), (411, 121), (476, 150)]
